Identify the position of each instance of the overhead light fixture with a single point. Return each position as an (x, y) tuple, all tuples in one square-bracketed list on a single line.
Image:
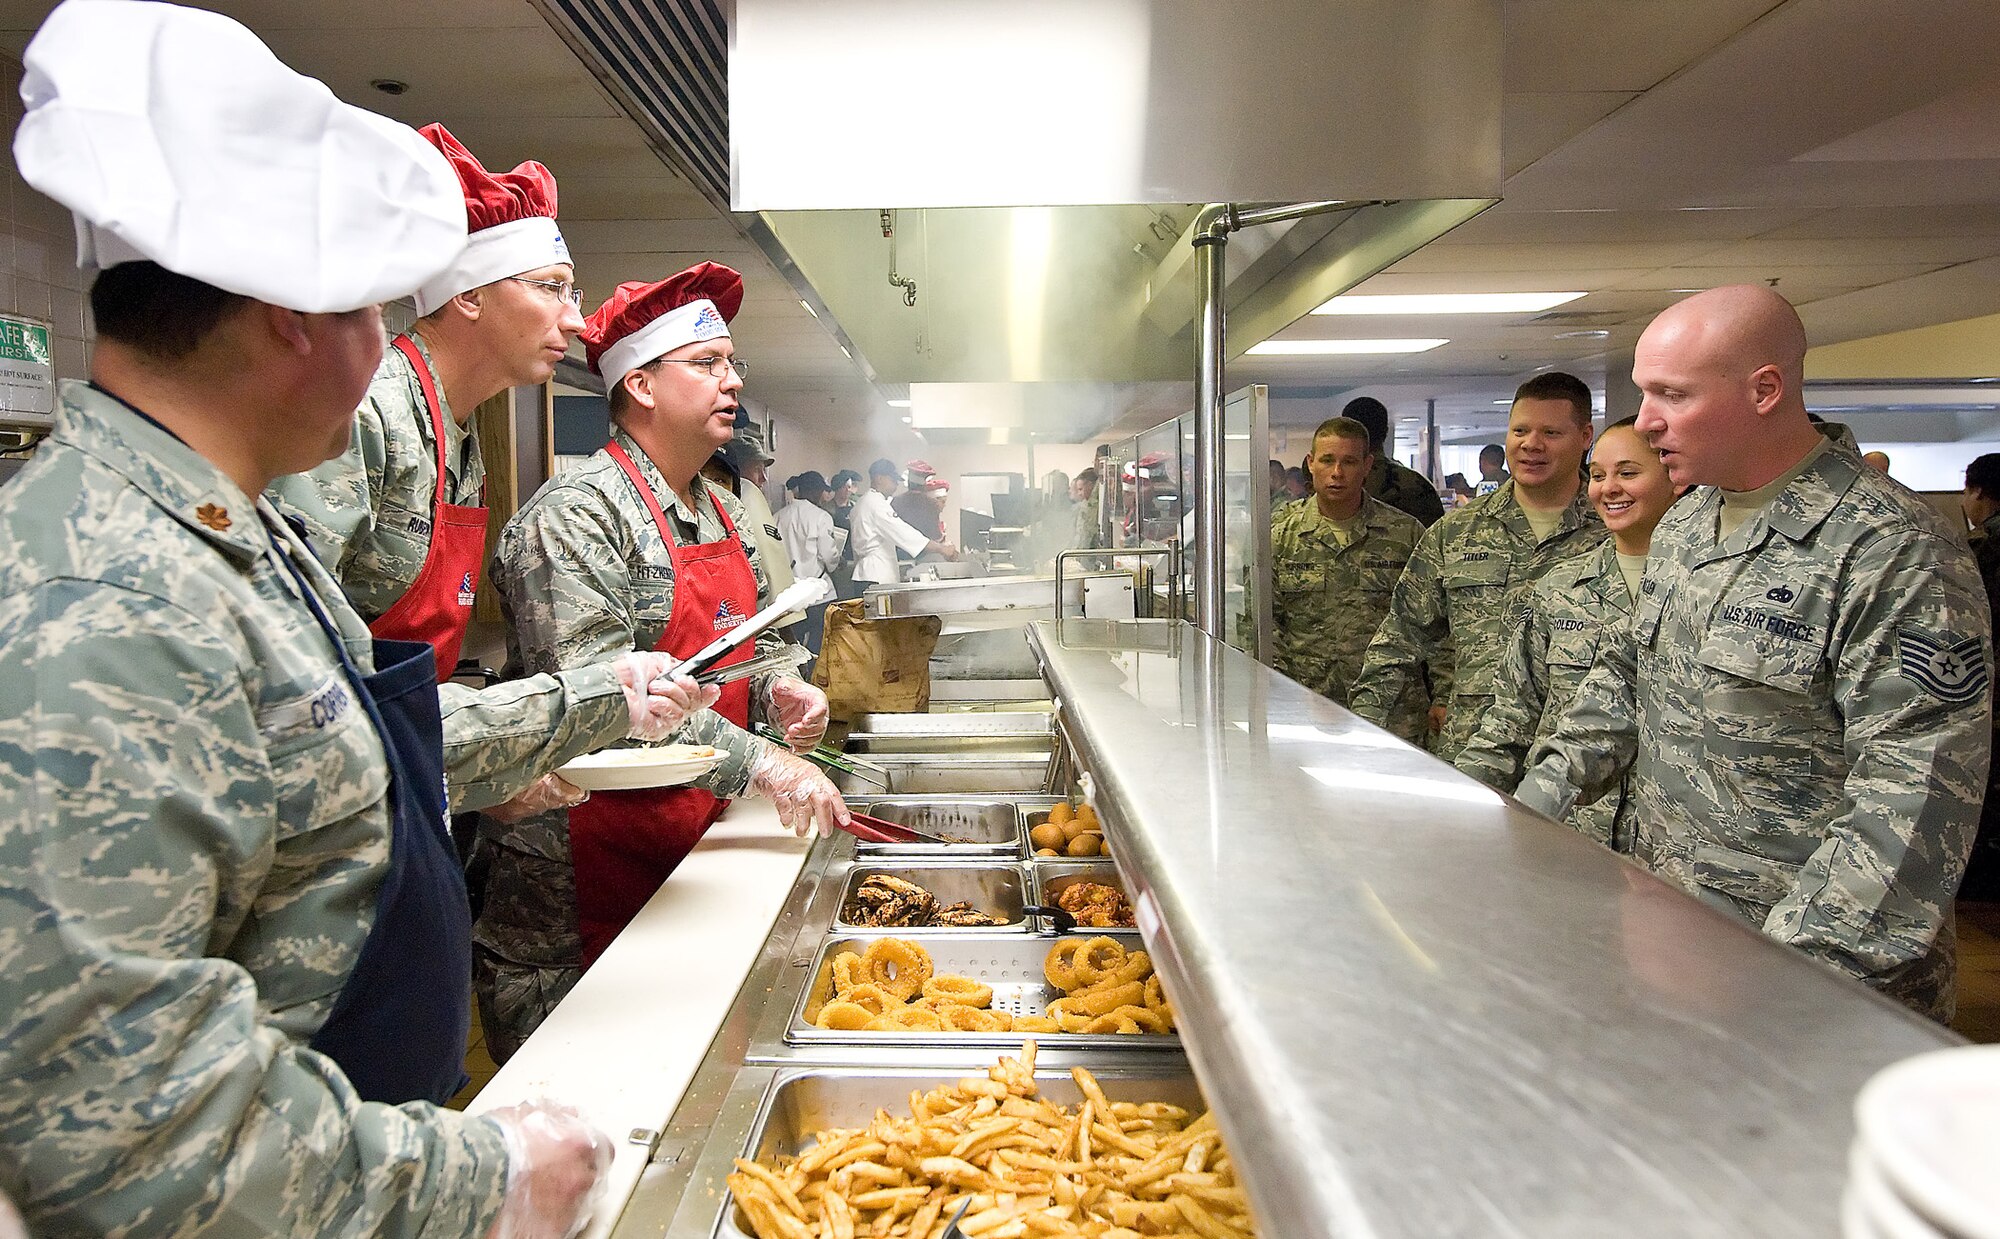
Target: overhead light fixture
[(808, 307), (1320, 348), (899, 404), (906, 419), (1445, 303)]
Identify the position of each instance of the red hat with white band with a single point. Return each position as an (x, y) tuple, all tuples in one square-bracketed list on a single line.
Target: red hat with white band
[(641, 322), (510, 218)]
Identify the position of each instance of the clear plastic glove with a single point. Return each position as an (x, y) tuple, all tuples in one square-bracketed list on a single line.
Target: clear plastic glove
[(555, 1170), (801, 713), (656, 701), (807, 801), (551, 791)]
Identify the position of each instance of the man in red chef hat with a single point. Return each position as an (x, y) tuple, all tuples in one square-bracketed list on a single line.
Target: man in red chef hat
[(399, 518), (634, 547)]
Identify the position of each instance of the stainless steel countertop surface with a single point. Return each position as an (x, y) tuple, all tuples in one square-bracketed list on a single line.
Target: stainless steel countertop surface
[(1421, 1009)]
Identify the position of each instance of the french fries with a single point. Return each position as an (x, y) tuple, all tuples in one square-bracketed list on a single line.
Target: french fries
[(1031, 1168)]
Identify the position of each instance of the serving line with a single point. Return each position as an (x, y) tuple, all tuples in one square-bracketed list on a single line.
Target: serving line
[(1423, 1009), (625, 1043)]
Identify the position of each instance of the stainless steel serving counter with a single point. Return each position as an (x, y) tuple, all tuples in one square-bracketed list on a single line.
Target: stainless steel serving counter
[(1421, 1009)]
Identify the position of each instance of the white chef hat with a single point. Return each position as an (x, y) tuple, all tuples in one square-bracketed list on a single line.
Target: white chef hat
[(174, 135)]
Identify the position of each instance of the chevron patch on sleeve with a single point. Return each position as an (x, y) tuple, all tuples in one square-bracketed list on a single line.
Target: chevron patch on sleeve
[(1951, 671)]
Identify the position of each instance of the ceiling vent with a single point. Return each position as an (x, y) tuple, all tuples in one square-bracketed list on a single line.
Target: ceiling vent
[(667, 62)]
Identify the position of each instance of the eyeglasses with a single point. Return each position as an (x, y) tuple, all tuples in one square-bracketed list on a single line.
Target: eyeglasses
[(563, 289), (716, 367)]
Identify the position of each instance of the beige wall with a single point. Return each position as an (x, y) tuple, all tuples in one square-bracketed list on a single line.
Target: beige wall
[(38, 275), (1968, 349)]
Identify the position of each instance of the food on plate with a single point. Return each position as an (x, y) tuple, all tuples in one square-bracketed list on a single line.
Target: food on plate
[(1048, 835), (1102, 1169), (1096, 906), (886, 902)]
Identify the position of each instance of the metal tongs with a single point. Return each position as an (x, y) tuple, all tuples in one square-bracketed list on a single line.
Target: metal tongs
[(786, 657), (833, 759), (951, 1230)]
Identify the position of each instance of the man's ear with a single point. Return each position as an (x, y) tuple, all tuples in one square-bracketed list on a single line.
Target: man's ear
[(469, 303), (286, 326)]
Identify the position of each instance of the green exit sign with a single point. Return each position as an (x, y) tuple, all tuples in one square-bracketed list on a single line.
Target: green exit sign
[(23, 341)]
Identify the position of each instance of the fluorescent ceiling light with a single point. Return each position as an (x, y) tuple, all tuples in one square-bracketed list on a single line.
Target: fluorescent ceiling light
[(808, 306), (1309, 348), (1445, 303), (899, 404)]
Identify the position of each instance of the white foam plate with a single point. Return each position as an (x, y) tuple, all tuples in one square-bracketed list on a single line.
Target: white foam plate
[(624, 770), (1886, 1213), (1931, 1125)]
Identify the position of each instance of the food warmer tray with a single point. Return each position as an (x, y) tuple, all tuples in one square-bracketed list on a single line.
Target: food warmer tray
[(999, 890)]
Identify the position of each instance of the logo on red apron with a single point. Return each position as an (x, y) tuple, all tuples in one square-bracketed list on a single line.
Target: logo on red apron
[(465, 590), (728, 615)]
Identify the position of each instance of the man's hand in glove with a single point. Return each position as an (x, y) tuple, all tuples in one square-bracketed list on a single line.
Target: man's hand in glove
[(657, 701), (801, 713)]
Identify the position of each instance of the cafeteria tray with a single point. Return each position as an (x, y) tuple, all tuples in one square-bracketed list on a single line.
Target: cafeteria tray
[(804, 1101), (1050, 877), (1011, 963), (998, 890), (920, 774), (991, 828)]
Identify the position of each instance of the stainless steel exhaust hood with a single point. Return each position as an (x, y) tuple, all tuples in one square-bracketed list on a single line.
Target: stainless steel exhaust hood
[(999, 191)]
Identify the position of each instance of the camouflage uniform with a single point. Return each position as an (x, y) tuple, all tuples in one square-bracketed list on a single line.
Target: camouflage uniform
[(193, 823), (1450, 614), (1328, 599), (367, 515), (1404, 489), (1804, 708), (582, 573), (1555, 635)]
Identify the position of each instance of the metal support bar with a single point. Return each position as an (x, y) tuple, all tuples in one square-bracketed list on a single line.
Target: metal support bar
[(1210, 237)]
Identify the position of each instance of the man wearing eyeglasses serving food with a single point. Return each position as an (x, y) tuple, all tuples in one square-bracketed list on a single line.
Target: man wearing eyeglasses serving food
[(634, 548), (399, 518)]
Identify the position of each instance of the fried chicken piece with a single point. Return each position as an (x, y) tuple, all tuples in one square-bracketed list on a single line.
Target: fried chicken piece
[(963, 915), (885, 902)]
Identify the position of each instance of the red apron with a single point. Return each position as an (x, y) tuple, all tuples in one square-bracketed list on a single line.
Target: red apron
[(438, 605), (623, 845)]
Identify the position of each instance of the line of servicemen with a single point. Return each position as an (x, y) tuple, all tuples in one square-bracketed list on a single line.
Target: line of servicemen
[(1729, 650), (238, 937)]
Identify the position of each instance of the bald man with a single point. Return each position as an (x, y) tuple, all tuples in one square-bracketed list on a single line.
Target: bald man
[(1802, 694)]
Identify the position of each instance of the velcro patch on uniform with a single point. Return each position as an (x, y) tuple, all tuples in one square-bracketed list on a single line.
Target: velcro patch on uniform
[(772, 530), (1949, 670)]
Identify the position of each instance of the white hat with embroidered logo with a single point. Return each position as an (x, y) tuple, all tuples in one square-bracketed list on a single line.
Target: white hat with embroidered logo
[(174, 135)]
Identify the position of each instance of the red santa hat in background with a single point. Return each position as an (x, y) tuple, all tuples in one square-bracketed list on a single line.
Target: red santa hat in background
[(644, 322), (510, 219)]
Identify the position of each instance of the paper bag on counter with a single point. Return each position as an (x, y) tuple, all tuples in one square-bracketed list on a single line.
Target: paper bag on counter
[(879, 665)]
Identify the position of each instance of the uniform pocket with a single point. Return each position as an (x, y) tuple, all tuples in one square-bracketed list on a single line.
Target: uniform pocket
[(1761, 725), (1753, 884), (326, 760)]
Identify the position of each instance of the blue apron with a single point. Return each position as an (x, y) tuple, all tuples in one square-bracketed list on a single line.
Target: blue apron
[(398, 1027)]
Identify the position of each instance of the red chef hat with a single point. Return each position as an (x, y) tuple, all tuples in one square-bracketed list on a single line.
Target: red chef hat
[(644, 322), (511, 219), (921, 466), (937, 486)]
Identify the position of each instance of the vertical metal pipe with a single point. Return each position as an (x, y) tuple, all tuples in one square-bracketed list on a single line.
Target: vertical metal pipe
[(1431, 441), (1211, 240)]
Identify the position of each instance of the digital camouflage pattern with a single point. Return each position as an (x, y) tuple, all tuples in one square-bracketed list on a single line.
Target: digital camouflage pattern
[(1404, 489), (1805, 711), (583, 574), (193, 824), (367, 515), (1328, 599), (1449, 616), (1554, 639), (368, 511)]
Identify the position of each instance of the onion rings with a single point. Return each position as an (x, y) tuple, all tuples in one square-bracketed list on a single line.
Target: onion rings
[(918, 1019), (1107, 998), (1113, 1022), (1099, 958), (899, 966), (1060, 966), (962, 990), (957, 1016), (870, 998), (844, 1017), (846, 972)]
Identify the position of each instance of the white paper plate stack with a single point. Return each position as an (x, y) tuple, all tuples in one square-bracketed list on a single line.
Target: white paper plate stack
[(621, 770), (1925, 1163)]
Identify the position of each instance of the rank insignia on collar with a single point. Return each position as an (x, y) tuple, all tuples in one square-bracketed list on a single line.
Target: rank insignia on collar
[(216, 518)]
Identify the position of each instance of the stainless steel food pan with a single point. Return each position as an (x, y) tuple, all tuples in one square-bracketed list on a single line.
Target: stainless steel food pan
[(872, 744), (991, 828), (1031, 818), (998, 890), (932, 773), (1011, 963), (1051, 876), (804, 1101), (1006, 722)]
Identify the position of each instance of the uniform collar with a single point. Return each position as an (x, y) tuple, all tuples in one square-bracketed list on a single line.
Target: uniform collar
[(1502, 506), (1991, 526), (430, 363), (669, 500), (1804, 505), (183, 482), (1605, 578)]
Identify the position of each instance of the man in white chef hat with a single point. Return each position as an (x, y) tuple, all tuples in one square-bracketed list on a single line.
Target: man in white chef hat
[(213, 803)]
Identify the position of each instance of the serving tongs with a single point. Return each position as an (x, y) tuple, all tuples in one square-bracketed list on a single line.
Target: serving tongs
[(897, 832), (833, 759), (786, 657)]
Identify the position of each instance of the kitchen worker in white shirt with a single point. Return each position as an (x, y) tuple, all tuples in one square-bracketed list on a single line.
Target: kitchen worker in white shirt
[(812, 542), (878, 533)]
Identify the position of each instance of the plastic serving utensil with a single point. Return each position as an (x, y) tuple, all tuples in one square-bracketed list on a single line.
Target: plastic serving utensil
[(896, 832)]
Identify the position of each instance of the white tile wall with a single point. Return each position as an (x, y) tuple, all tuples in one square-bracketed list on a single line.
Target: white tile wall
[(38, 275)]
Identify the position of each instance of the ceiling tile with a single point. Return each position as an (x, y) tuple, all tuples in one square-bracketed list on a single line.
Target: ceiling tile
[(509, 73), (1507, 224), (1595, 45), (1533, 124), (1979, 219), (1874, 251), (1447, 256)]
